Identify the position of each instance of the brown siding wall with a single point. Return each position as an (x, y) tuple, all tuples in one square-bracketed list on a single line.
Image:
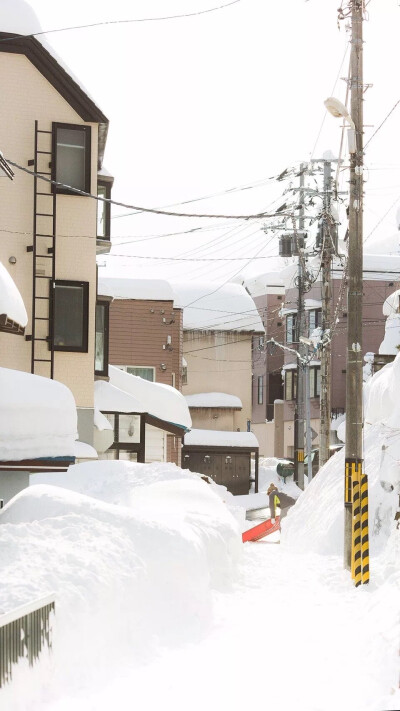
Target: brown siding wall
[(265, 362), (138, 332)]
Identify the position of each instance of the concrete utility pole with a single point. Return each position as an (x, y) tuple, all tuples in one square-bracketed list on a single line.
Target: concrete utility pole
[(300, 390), (326, 293), (354, 414)]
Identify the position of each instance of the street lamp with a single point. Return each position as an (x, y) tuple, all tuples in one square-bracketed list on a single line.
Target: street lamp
[(338, 110)]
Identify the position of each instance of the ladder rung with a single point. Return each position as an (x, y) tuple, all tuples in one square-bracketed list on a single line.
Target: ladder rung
[(42, 318), (46, 340), (47, 153), (42, 276), (38, 234), (43, 172), (41, 360), (45, 256), (43, 298), (41, 130), (45, 214), (46, 194)]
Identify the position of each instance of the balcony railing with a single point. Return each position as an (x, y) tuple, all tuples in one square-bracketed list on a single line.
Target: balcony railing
[(23, 634)]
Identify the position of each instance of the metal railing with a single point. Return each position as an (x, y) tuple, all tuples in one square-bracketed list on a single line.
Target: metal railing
[(23, 634)]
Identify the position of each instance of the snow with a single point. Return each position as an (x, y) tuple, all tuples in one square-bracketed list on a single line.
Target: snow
[(391, 342), (37, 417), (159, 400), (157, 600), (82, 450), (144, 289), (108, 398), (11, 303), (227, 307), (220, 438), (18, 17), (213, 400), (100, 421)]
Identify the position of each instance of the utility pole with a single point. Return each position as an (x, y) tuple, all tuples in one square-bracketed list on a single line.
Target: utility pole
[(354, 415), (326, 293), (300, 390)]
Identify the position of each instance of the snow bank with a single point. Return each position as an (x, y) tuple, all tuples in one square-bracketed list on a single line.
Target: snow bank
[(37, 417), (132, 553), (316, 522)]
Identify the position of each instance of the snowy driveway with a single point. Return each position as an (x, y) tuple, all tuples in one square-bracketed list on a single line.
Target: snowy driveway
[(293, 634)]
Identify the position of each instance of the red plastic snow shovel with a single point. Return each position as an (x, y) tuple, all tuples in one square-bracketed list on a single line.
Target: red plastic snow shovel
[(261, 530)]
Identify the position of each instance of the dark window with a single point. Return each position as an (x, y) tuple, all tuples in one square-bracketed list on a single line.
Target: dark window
[(101, 339), (290, 384), (70, 316), (260, 389), (103, 210), (291, 323), (184, 375), (314, 319), (71, 157), (315, 382)]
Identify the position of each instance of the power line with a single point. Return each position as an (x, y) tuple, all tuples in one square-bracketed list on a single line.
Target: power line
[(125, 22), (152, 210), (380, 125)]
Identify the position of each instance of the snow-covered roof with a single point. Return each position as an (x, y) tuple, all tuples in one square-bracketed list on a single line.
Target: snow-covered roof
[(267, 283), (220, 438), (143, 289), (108, 398), (162, 401), (310, 304), (11, 303), (213, 307), (17, 17), (37, 417), (213, 400)]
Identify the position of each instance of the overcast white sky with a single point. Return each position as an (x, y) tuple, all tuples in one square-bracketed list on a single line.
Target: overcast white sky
[(201, 104)]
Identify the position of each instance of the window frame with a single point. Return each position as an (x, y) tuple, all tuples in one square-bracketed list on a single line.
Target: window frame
[(290, 385), (291, 318), (106, 306), (88, 157), (107, 209), (85, 316), (317, 320), (260, 390), (315, 382)]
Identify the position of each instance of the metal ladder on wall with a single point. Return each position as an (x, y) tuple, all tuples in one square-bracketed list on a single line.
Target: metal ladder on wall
[(44, 257)]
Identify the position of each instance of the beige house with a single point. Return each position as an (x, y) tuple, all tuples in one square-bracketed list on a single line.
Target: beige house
[(218, 325), (51, 130)]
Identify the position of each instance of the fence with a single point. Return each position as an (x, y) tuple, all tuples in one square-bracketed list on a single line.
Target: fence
[(23, 633)]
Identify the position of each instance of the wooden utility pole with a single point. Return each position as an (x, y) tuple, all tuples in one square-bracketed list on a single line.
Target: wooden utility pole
[(354, 415), (300, 390), (326, 293)]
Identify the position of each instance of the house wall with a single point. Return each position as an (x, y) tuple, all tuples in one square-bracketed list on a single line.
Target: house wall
[(138, 332), (220, 362), (27, 96), (266, 361), (374, 294)]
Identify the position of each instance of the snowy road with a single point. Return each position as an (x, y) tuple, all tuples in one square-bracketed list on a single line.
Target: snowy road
[(293, 634)]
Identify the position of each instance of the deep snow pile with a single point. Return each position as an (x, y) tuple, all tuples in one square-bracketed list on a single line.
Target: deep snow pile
[(317, 522), (132, 553)]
